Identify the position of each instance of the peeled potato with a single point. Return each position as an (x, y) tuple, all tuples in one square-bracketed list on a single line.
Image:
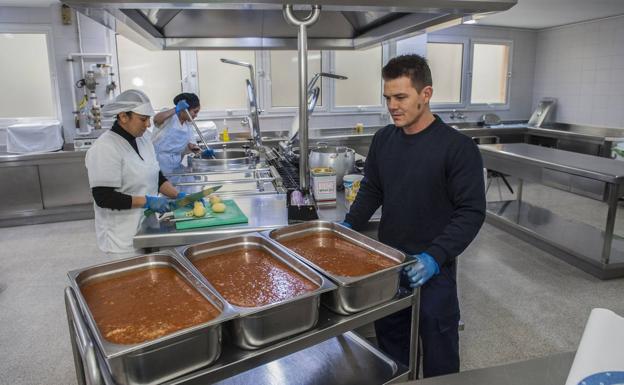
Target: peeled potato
[(214, 199), (198, 209), (218, 207)]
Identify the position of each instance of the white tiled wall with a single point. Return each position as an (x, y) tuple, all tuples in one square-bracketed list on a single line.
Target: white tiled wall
[(582, 65)]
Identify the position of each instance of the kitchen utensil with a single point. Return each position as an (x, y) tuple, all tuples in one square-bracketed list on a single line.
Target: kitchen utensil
[(188, 199), (261, 325), (340, 158), (354, 293), (490, 119), (201, 137)]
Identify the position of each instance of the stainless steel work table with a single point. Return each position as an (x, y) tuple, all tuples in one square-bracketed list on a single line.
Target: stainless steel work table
[(550, 370), (43, 187), (265, 212), (598, 252)]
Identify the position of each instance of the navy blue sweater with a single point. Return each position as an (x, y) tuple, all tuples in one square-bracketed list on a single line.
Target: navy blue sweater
[(430, 187)]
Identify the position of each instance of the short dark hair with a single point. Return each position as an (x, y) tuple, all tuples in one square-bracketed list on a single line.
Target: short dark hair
[(413, 66), (191, 99)]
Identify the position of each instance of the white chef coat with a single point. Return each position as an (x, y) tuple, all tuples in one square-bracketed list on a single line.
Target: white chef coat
[(112, 162), (171, 142)]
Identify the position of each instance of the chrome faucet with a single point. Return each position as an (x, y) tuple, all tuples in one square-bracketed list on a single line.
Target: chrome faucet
[(313, 95), (252, 96), (314, 92), (316, 77), (457, 115)]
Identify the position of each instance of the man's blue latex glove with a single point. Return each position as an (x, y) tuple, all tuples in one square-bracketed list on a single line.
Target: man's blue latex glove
[(181, 106), (181, 195), (156, 204), (345, 224), (208, 153), (420, 272)]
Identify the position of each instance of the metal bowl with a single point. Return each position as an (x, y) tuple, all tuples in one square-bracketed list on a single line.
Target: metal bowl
[(224, 159)]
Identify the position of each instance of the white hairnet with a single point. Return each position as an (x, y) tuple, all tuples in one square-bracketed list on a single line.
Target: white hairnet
[(130, 100)]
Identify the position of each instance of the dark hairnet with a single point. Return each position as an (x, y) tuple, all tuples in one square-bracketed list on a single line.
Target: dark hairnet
[(191, 99)]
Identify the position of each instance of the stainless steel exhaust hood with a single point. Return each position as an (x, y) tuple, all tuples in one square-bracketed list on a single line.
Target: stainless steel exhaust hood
[(259, 24)]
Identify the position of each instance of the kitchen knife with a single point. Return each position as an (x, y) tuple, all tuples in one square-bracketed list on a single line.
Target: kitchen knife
[(187, 199)]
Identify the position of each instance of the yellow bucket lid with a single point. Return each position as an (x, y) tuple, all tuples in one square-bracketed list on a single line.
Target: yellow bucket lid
[(320, 171)]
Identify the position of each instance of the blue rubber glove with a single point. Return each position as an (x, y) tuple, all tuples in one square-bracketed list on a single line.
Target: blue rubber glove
[(180, 195), (420, 272), (156, 204), (345, 224), (208, 153), (181, 106)]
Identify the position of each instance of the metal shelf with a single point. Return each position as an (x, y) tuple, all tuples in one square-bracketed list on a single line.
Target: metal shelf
[(234, 360)]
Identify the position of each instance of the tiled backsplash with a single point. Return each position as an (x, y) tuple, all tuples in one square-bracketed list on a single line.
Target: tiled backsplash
[(582, 65)]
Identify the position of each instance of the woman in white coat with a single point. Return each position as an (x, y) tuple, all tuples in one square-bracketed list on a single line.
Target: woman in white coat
[(174, 135), (124, 175)]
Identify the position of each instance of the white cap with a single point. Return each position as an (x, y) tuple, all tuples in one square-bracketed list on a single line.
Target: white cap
[(130, 100)]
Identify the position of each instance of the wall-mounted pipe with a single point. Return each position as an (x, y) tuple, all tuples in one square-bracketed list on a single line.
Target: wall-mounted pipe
[(72, 81)]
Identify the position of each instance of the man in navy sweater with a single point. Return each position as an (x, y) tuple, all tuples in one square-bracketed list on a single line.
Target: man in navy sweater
[(428, 178)]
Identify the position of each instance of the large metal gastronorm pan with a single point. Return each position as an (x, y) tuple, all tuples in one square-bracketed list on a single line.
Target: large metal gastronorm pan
[(260, 326), (163, 358), (354, 294)]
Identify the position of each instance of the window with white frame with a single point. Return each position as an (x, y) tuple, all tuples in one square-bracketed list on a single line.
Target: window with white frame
[(285, 77), (222, 86), (363, 68), (26, 77), (490, 73), (157, 73), (446, 64)]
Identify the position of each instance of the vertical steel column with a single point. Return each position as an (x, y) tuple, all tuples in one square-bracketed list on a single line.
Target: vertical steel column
[(302, 45), (519, 191), (612, 201), (413, 363)]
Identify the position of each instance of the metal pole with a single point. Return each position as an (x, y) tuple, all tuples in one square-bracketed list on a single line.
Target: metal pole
[(612, 201), (302, 40), (413, 363), (302, 45)]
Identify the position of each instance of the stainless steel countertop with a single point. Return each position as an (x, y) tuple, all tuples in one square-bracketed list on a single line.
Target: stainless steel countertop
[(42, 157), (561, 129), (317, 134), (265, 212), (550, 370), (594, 167)]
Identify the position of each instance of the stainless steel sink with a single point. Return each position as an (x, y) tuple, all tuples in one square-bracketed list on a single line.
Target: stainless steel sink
[(464, 125), (225, 159)]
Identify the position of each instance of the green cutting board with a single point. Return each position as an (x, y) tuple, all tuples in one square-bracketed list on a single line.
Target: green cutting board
[(232, 215)]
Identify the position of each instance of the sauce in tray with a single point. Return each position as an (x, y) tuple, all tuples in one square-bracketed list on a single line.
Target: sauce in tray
[(337, 255), (252, 277), (143, 305)]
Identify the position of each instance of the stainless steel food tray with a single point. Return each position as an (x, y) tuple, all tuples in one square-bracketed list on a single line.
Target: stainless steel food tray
[(166, 357), (256, 327), (354, 294)]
